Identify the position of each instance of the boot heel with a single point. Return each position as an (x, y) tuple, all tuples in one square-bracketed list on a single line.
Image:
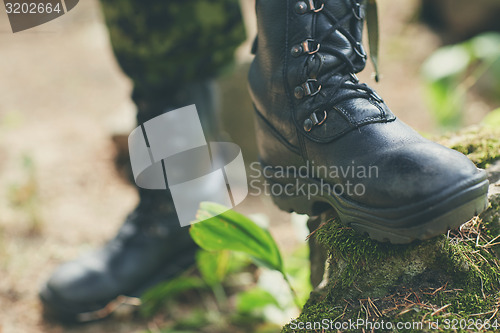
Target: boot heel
[(299, 204), (295, 204)]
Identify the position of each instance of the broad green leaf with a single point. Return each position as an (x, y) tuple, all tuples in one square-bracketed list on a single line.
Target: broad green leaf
[(238, 262), (213, 266), (223, 229), (446, 62), (254, 299)]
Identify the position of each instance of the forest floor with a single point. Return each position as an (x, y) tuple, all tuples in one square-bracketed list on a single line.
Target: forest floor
[(62, 98)]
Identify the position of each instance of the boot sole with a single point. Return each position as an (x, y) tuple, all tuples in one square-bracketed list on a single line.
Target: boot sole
[(55, 308), (402, 225)]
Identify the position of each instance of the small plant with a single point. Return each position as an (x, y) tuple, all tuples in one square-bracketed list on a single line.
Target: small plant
[(25, 196), (228, 230), (224, 296), (451, 71)]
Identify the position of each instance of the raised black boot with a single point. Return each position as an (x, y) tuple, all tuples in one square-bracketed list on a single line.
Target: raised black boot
[(327, 141)]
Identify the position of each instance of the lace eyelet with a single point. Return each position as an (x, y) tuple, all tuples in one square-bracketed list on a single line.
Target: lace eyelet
[(376, 96), (296, 50), (298, 92), (301, 7), (325, 115), (309, 44), (314, 120), (360, 50), (354, 77), (311, 87), (356, 10), (313, 8), (308, 125)]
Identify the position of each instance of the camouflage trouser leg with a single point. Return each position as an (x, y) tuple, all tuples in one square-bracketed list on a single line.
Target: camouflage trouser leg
[(169, 47)]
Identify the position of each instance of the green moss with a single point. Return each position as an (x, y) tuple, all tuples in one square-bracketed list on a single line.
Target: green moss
[(458, 273), (480, 144), (346, 243)]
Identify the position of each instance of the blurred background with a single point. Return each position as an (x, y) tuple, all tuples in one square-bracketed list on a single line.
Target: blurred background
[(65, 113)]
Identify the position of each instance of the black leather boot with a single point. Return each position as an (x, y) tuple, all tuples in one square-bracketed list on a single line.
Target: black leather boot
[(327, 141), (150, 246)]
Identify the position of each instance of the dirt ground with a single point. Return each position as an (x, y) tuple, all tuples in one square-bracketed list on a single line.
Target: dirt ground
[(62, 96)]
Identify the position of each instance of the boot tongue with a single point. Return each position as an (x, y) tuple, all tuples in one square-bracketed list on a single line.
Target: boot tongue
[(337, 20), (320, 64)]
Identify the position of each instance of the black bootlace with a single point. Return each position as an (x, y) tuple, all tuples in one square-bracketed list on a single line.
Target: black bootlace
[(347, 78)]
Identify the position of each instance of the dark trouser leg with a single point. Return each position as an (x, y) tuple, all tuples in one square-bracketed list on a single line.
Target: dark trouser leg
[(171, 51)]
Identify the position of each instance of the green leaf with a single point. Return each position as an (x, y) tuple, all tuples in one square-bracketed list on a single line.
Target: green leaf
[(446, 103), (223, 229), (446, 62), (300, 277), (213, 266), (486, 45), (158, 295), (254, 299), (492, 119), (196, 320), (238, 262)]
